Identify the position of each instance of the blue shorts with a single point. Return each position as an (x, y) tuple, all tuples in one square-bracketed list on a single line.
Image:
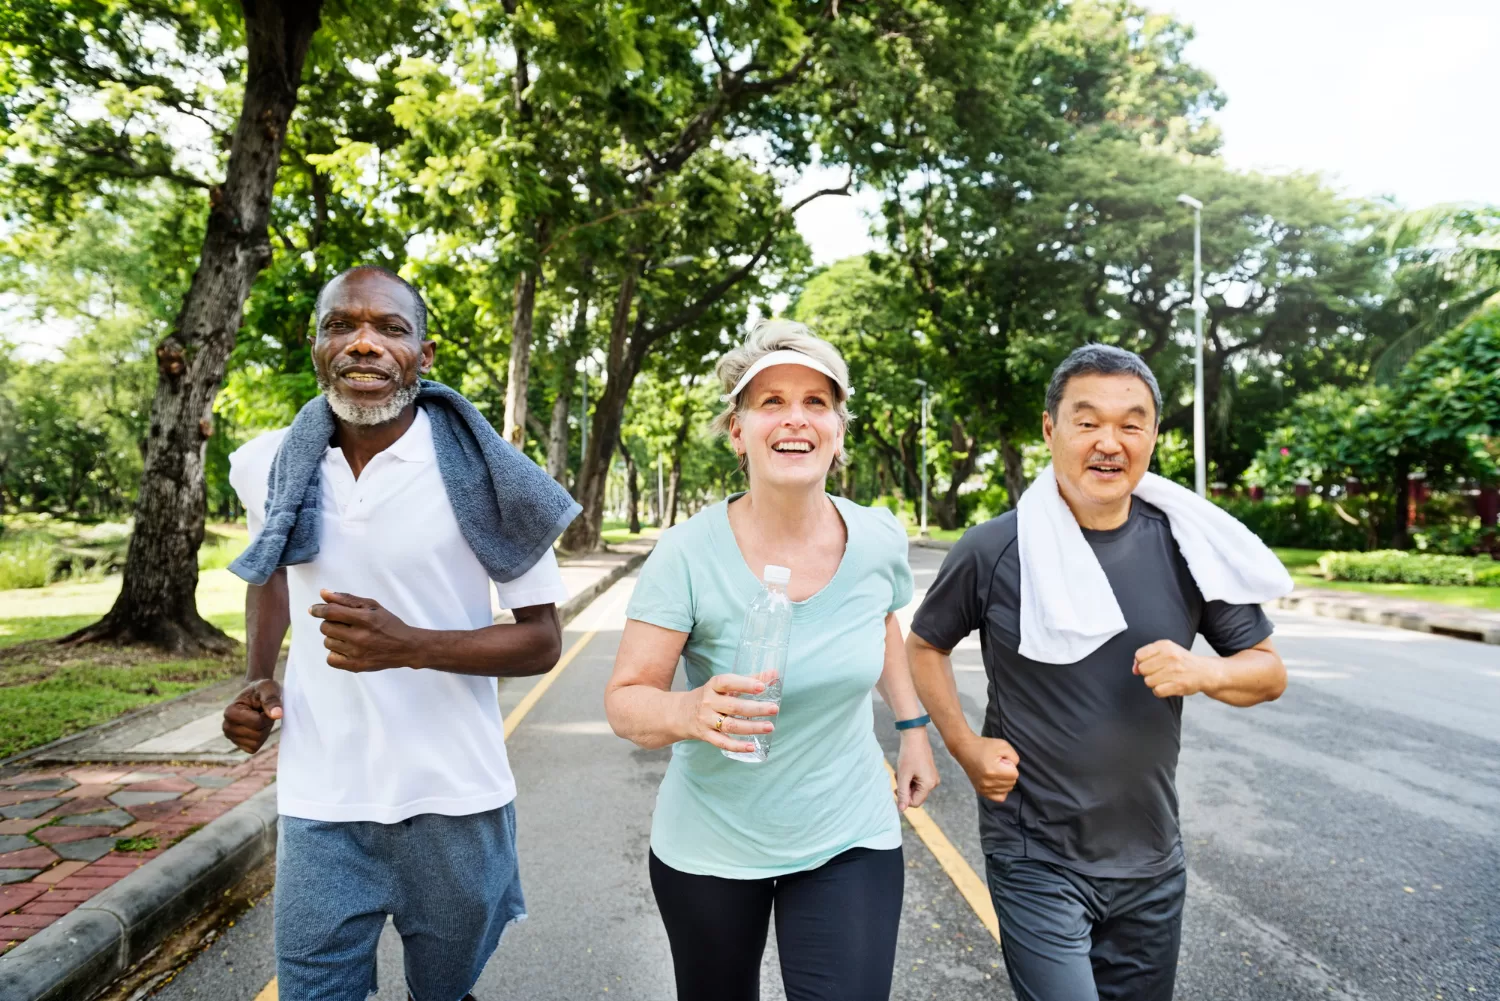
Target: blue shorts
[(450, 883)]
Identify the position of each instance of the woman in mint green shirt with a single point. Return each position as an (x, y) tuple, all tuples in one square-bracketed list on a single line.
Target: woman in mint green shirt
[(811, 835)]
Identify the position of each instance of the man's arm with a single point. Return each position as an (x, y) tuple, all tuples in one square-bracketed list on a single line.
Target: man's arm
[(1247, 678), (362, 636), (990, 763), (249, 718)]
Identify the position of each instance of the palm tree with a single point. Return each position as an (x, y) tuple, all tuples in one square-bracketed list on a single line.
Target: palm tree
[(1460, 246)]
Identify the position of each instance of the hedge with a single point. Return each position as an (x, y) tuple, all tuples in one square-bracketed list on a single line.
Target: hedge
[(1391, 566), (1296, 522)]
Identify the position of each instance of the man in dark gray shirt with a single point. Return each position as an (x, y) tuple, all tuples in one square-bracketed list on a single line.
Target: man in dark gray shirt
[(1076, 766)]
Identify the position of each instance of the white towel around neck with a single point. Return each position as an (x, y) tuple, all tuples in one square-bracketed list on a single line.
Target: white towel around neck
[(1068, 609)]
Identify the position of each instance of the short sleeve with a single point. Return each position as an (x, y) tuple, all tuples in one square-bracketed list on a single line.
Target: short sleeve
[(541, 585), (1231, 629), (663, 593), (901, 580), (954, 605), (249, 473)]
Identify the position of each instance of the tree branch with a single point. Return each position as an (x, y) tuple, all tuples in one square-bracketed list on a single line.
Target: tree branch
[(646, 337)]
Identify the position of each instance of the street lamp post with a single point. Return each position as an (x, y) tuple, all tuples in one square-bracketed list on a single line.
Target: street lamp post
[(923, 384), (1200, 439)]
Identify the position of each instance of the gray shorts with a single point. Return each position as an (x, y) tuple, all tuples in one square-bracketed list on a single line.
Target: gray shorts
[(450, 883), (1071, 937)]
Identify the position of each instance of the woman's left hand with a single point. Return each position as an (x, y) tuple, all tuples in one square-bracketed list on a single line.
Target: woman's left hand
[(916, 771)]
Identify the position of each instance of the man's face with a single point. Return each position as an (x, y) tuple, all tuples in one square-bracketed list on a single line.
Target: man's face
[(368, 355), (1103, 438)]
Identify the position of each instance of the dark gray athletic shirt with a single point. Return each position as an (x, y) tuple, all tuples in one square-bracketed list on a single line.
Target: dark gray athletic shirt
[(1097, 790)]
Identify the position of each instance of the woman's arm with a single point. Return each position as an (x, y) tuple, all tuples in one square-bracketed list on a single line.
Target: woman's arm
[(916, 771), (641, 707)]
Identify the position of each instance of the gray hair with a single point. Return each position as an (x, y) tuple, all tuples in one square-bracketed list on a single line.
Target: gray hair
[(1100, 359), (781, 335)]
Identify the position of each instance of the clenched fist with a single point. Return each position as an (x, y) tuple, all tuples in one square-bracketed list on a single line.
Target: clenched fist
[(992, 766), (249, 718), (362, 636), (1170, 670)]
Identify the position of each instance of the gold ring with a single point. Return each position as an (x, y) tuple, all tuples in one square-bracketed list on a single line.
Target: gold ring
[(719, 723)]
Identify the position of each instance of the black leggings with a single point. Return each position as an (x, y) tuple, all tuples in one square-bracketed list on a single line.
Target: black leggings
[(835, 928)]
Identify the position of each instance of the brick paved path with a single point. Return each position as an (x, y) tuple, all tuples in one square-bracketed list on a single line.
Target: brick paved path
[(59, 828)]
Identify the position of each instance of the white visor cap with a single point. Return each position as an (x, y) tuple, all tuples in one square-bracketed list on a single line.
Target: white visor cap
[(785, 356)]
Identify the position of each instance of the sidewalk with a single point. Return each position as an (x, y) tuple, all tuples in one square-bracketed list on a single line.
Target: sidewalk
[(155, 778), (1399, 613)]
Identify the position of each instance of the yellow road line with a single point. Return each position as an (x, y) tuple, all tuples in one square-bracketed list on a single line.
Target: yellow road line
[(954, 864), (270, 992), (540, 688)]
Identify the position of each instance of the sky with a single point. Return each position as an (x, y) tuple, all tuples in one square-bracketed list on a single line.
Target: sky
[(1393, 98)]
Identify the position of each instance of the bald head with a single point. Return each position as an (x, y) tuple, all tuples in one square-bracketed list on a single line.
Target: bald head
[(364, 274)]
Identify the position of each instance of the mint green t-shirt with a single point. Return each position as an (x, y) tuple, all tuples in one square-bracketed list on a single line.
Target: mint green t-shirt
[(824, 788)]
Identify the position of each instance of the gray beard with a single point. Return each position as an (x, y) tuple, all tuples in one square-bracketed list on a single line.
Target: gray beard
[(364, 415)]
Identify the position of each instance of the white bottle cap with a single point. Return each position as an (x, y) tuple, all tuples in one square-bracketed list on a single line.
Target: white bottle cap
[(776, 575)]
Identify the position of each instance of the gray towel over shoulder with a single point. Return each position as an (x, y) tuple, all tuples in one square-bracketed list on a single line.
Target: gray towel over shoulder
[(509, 510)]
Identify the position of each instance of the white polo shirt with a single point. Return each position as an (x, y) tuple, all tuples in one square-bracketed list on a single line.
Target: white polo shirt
[(387, 745)]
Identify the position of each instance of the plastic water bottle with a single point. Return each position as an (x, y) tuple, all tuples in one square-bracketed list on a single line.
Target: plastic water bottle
[(762, 653)]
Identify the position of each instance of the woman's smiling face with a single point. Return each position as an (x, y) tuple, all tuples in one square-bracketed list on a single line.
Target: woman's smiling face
[(787, 427)]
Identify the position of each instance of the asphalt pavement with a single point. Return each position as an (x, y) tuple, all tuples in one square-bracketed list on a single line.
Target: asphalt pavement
[(1343, 842)]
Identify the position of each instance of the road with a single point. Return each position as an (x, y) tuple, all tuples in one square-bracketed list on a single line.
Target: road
[(1343, 842)]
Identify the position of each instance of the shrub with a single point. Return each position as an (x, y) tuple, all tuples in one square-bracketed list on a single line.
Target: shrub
[(25, 561), (1296, 523), (1390, 566)]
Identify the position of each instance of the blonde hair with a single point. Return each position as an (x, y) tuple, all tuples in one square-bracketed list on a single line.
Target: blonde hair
[(781, 335)]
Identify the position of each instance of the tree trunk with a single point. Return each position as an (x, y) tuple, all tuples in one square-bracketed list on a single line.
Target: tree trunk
[(678, 441), (582, 536), (1015, 472), (558, 440), (1401, 522), (633, 490), (156, 603), (966, 457), (518, 378)]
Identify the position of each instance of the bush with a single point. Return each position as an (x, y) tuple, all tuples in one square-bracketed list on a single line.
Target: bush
[(1296, 523), (1390, 566), (25, 562)]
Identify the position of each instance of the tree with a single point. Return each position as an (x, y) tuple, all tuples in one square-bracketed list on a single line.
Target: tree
[(1455, 248), (54, 53)]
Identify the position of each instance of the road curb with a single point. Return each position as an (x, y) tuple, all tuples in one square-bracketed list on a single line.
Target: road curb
[(569, 609), (88, 948), (1333, 606)]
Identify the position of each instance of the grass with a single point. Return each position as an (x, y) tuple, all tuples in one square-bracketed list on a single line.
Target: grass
[(941, 534), (47, 691), (1303, 565), (616, 532), (92, 690)]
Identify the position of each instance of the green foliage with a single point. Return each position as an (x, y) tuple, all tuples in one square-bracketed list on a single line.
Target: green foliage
[(1392, 566), (143, 843), (1297, 522), (25, 562)]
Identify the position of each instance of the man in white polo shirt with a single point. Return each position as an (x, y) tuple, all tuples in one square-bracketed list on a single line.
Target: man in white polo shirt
[(394, 789)]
